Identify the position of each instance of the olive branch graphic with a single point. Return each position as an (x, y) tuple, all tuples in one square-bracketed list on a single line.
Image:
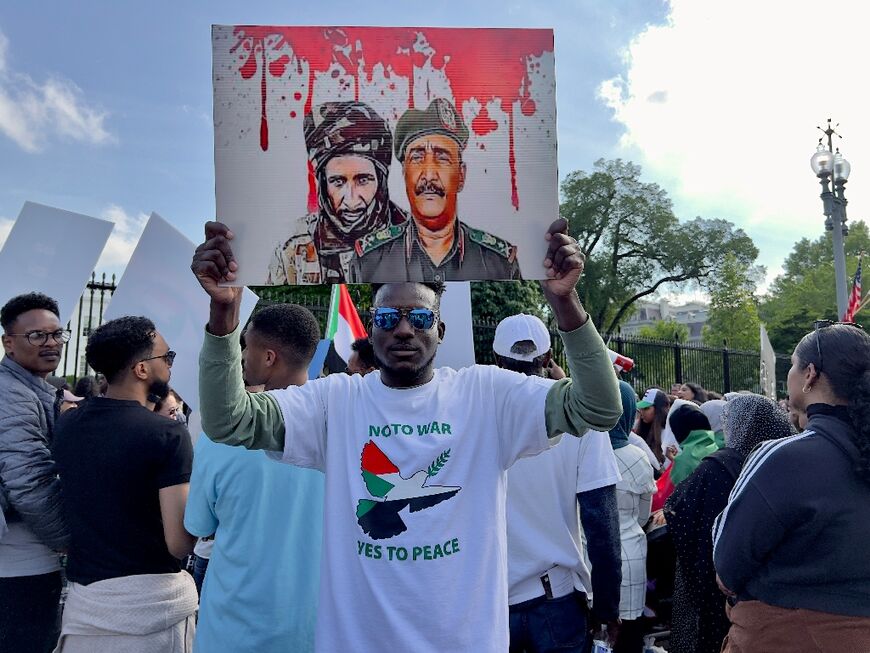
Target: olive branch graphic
[(438, 463)]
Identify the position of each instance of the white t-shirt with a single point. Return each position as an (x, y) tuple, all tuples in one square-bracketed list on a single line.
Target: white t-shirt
[(543, 516), (414, 547)]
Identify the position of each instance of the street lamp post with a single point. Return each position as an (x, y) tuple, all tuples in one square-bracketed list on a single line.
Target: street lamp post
[(832, 166)]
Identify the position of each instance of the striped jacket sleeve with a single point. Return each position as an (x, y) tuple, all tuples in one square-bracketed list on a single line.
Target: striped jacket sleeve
[(749, 528)]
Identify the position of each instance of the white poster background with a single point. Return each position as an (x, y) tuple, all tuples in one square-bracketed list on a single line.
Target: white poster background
[(457, 349), (51, 251), (158, 284), (767, 372), (261, 194)]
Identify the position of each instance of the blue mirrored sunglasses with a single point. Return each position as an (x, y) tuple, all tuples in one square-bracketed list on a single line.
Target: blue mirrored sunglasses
[(388, 319)]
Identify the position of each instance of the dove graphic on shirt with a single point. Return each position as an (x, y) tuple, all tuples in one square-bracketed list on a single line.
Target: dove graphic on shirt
[(379, 518)]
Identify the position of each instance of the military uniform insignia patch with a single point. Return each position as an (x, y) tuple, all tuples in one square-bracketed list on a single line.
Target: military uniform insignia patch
[(493, 243), (374, 240)]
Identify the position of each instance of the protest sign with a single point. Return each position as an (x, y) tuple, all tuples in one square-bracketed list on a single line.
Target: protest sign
[(51, 251), (158, 284), (457, 348), (366, 154)]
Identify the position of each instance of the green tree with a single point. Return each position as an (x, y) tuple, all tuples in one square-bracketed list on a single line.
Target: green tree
[(668, 329), (634, 243), (806, 289), (733, 315), (492, 301)]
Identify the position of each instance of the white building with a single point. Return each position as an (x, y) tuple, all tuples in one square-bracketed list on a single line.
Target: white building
[(692, 314)]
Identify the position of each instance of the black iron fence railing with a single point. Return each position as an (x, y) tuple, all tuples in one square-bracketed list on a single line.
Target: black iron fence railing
[(657, 362), (87, 317)]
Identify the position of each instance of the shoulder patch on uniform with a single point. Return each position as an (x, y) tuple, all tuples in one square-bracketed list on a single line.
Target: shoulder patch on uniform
[(494, 243), (374, 240)]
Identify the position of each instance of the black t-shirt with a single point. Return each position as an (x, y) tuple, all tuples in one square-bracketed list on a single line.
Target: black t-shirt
[(113, 457)]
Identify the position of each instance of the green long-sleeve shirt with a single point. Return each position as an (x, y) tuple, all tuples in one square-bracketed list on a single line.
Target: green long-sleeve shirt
[(588, 400)]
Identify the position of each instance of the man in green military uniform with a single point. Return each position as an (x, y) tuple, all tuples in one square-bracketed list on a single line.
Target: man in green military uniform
[(350, 148), (436, 245)]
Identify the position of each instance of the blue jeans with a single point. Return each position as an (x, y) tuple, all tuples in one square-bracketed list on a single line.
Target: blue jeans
[(541, 625), (199, 567)]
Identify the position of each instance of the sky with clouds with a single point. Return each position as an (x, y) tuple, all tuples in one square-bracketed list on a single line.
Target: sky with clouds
[(105, 108)]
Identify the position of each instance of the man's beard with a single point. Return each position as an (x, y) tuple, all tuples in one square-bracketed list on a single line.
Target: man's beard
[(158, 391), (406, 377), (338, 230)]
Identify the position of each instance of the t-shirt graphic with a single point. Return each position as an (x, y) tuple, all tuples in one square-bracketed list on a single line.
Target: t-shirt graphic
[(380, 518)]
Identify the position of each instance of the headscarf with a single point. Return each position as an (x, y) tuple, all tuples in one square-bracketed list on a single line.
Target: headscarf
[(668, 438), (691, 428), (750, 419), (687, 418), (619, 433), (713, 408)]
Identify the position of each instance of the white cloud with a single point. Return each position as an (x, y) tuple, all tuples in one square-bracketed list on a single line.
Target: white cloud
[(33, 112), (122, 242), (720, 106)]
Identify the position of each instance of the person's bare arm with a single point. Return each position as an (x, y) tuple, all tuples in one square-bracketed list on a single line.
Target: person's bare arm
[(172, 502)]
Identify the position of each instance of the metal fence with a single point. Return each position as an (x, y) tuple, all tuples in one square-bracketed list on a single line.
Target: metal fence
[(657, 363), (87, 317), (661, 363)]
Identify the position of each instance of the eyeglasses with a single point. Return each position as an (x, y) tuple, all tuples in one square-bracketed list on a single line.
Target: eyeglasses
[(388, 319), (168, 357), (818, 325), (39, 338)]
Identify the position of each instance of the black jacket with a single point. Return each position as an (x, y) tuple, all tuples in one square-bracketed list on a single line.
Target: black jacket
[(797, 526)]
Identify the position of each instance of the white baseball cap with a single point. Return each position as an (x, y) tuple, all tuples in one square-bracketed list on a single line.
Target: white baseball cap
[(517, 328)]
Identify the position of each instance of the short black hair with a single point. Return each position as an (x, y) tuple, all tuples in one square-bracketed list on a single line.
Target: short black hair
[(533, 367), (22, 303), (118, 344), (363, 346), (438, 287), (291, 329), (87, 387)]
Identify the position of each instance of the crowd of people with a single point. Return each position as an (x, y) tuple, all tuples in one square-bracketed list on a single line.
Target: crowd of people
[(517, 506)]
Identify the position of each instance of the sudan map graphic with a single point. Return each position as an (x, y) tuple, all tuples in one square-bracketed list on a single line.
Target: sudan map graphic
[(379, 518)]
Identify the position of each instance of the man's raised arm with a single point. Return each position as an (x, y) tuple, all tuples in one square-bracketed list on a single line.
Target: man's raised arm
[(229, 414), (590, 398)]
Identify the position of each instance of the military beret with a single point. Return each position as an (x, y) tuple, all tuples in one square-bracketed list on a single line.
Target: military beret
[(440, 117), (341, 128)]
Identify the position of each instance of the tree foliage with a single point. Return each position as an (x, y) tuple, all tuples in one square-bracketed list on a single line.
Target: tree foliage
[(733, 315), (634, 244), (806, 289), (492, 301), (668, 329)]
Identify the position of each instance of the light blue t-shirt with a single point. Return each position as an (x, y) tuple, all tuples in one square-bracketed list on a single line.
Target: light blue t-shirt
[(261, 589)]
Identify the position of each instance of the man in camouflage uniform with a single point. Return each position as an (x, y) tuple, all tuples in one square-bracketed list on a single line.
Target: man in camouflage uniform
[(350, 148), (436, 245)]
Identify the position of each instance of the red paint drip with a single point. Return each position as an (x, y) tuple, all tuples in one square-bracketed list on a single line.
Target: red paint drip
[(279, 66), (297, 96), (488, 64), (483, 124), (264, 122), (512, 162), (312, 189)]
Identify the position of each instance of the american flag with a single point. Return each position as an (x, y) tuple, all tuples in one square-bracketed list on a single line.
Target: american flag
[(855, 297)]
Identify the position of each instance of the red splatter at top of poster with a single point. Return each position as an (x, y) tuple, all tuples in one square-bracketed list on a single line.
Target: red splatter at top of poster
[(484, 64)]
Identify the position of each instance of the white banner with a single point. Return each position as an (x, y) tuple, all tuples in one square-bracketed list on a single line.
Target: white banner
[(51, 251), (457, 350), (768, 366), (158, 284)]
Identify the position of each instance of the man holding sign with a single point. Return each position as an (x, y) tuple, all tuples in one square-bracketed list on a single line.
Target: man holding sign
[(414, 553)]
